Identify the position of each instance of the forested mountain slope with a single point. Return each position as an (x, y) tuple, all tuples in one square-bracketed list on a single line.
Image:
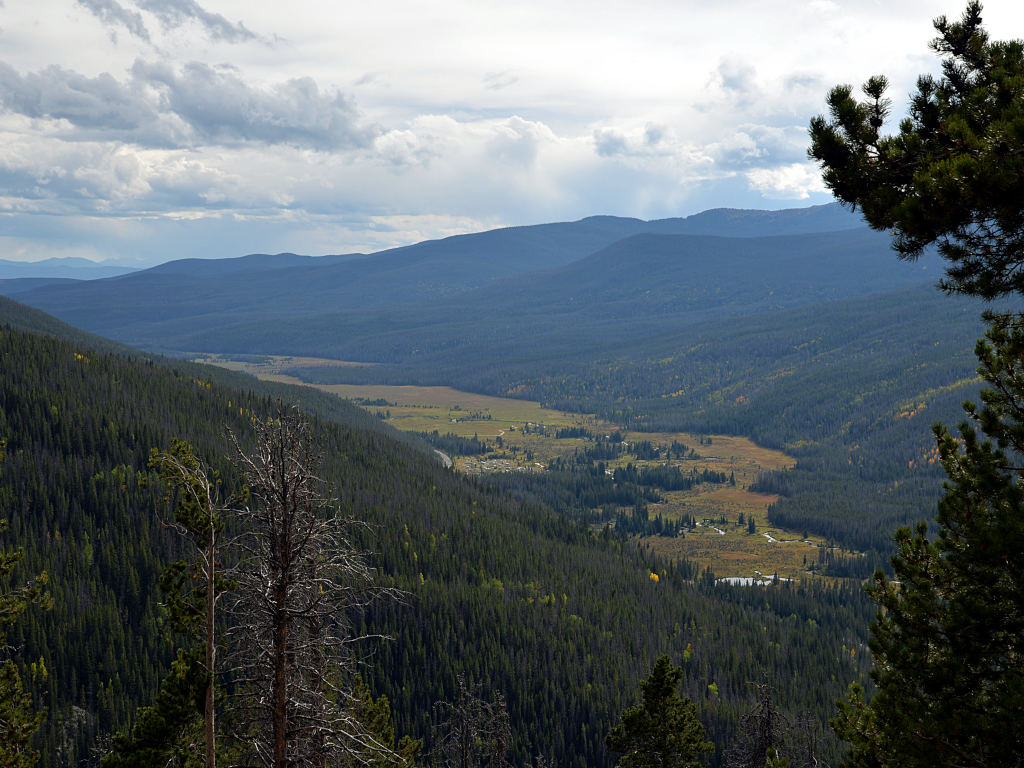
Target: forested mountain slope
[(23, 318), (563, 622), (11, 286), (639, 286), (840, 385), (156, 307)]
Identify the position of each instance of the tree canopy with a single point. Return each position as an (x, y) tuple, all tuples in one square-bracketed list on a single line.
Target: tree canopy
[(662, 731), (953, 174), (19, 719), (948, 642)]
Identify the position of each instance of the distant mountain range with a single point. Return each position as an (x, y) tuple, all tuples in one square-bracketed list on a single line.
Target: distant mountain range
[(798, 328), (717, 263), (68, 268)]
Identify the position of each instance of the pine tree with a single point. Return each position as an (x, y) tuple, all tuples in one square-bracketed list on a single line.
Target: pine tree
[(948, 642), (168, 731), (19, 719), (375, 717), (662, 731), (953, 176)]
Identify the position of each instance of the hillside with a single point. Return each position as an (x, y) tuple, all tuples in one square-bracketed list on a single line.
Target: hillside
[(637, 287), (803, 340), (156, 308), (502, 590), (826, 382)]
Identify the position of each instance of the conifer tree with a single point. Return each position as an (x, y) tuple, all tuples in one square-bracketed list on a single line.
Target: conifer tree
[(375, 716), (662, 731), (948, 644), (19, 719), (198, 516), (166, 731)]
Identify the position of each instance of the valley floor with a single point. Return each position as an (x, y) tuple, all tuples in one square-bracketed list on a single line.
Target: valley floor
[(523, 436)]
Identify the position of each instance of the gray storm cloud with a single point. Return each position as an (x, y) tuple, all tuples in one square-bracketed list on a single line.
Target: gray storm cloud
[(160, 106), (220, 107)]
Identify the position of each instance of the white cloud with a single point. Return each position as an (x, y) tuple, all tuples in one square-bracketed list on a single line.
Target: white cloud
[(144, 126), (112, 13), (737, 77), (788, 182)]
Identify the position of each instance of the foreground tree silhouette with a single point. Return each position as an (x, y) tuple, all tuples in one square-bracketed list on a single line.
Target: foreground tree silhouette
[(662, 731), (300, 577), (948, 644), (953, 175), (769, 738)]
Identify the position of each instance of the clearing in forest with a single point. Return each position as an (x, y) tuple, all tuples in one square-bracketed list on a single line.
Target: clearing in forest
[(521, 435)]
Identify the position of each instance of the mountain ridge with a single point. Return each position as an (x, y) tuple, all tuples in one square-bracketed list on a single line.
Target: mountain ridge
[(261, 285)]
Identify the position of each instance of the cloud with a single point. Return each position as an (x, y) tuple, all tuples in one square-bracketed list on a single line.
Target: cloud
[(177, 13), (403, 148), (495, 81), (160, 106), (757, 145), (112, 13), (737, 77), (220, 107), (84, 103), (797, 181), (171, 14), (58, 177), (609, 143)]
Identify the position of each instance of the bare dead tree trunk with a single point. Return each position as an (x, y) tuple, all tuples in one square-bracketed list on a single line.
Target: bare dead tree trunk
[(210, 728), (760, 729), (472, 731), (299, 578)]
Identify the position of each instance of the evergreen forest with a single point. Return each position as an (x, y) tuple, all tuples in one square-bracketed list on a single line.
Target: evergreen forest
[(500, 588), (200, 566)]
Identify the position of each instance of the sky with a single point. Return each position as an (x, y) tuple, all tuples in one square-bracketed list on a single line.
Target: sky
[(138, 131)]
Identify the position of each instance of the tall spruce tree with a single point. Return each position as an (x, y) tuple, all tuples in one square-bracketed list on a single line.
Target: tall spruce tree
[(662, 731), (948, 642), (953, 175)]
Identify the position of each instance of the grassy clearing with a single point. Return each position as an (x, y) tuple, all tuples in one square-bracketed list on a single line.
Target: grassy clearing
[(737, 553), (521, 435), (730, 449), (521, 431), (269, 364)]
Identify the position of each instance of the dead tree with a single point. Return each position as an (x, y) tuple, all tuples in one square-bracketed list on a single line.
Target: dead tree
[(300, 577), (764, 728), (761, 729), (472, 732)]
